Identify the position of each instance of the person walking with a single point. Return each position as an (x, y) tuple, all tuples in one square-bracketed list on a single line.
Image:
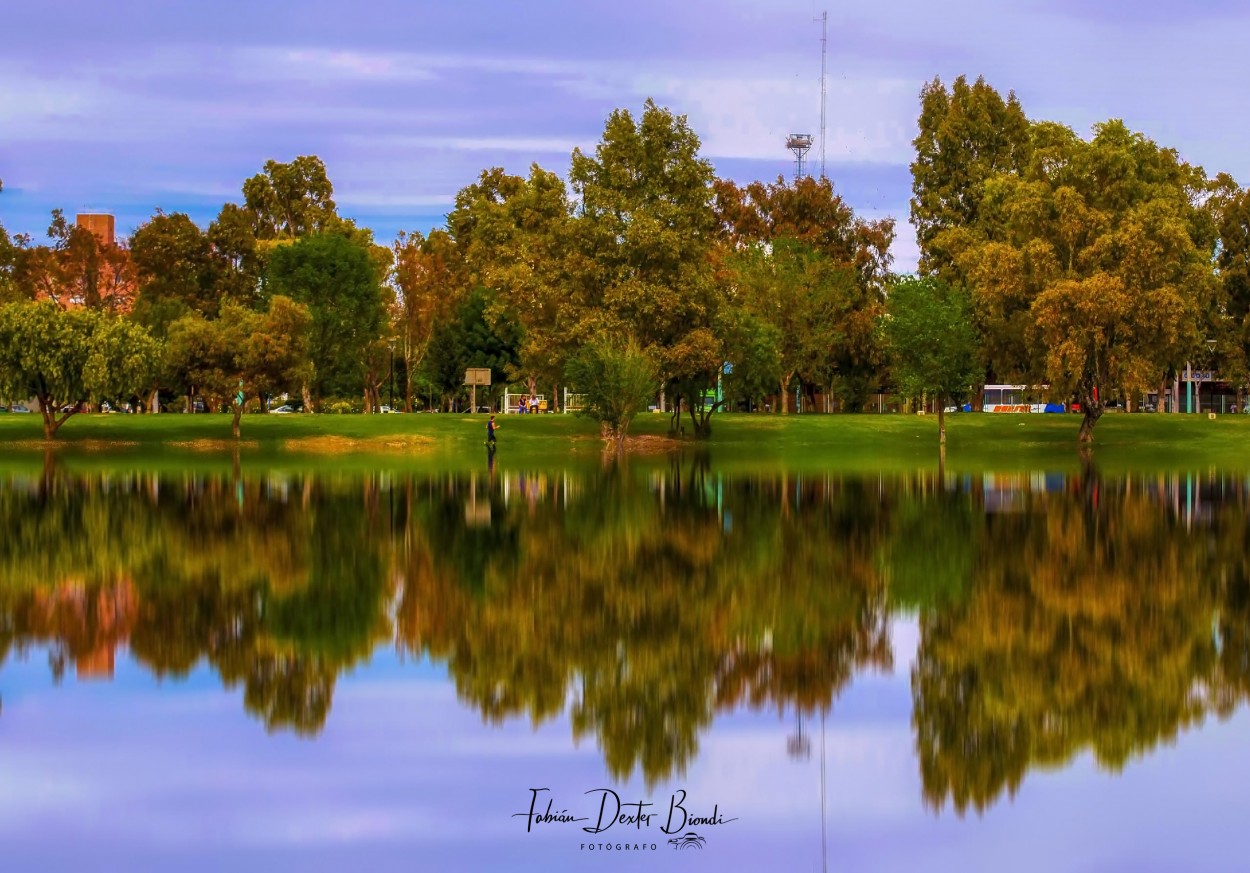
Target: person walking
[(490, 432)]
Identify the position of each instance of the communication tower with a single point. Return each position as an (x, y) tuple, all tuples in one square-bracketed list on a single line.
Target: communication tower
[(800, 144)]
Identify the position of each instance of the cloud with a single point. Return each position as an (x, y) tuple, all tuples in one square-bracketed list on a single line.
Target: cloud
[(869, 120)]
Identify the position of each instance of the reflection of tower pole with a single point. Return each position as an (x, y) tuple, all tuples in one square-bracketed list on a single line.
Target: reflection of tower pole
[(824, 845)]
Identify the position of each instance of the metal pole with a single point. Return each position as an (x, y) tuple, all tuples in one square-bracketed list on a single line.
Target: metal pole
[(824, 29), (1189, 388)]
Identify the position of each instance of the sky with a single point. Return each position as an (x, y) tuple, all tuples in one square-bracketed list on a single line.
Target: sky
[(133, 105)]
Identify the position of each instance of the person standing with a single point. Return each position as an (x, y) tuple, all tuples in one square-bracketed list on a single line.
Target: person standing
[(490, 432)]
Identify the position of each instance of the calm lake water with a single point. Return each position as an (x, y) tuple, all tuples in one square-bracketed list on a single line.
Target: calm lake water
[(1021, 671)]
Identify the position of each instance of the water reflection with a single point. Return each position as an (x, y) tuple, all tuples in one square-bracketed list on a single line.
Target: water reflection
[(1058, 613)]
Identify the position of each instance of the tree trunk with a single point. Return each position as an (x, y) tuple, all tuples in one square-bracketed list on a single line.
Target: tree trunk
[(941, 406), (307, 397), (234, 423), (156, 400), (1090, 413), (783, 401), (47, 410)]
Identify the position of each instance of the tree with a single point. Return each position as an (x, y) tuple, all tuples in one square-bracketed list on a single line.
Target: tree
[(428, 288), (291, 200), (8, 260), (200, 359), (967, 135), (338, 280), (77, 269), (618, 379), (65, 358), (643, 233), (807, 299), (753, 345), (240, 264), (931, 341), (814, 270), (513, 235), (273, 356), (1233, 263), (1106, 247), (175, 268), (243, 351)]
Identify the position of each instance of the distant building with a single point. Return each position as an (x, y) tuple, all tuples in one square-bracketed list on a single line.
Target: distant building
[(99, 223)]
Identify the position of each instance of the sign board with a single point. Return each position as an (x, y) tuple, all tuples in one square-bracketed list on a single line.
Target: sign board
[(1198, 376), (477, 376)]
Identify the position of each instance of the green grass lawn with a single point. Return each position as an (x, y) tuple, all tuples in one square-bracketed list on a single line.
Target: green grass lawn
[(975, 441)]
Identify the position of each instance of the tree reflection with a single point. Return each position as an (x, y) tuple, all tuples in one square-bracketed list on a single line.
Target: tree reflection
[(1058, 614), (1088, 626), (644, 605), (276, 588)]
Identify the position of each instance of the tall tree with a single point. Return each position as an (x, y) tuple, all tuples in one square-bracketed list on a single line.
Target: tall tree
[(1233, 262), (931, 340), (644, 229), (291, 200), (1106, 245), (824, 273), (338, 280), (967, 134), (514, 236), (241, 266), (175, 268), (428, 284)]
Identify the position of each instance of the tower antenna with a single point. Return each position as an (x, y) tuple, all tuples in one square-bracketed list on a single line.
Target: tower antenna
[(824, 46)]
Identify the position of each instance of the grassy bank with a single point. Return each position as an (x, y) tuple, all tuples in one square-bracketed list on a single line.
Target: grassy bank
[(975, 441)]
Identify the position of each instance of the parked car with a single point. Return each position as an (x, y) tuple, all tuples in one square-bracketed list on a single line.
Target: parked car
[(3, 409), (18, 407), (386, 410), (283, 410)]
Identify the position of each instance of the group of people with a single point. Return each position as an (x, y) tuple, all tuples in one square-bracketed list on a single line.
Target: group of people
[(529, 404)]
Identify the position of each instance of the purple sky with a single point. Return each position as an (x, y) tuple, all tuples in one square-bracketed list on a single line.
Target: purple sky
[(129, 105)]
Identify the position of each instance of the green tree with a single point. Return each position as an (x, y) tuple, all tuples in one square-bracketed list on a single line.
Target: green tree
[(239, 256), (65, 358), (931, 340), (643, 233), (967, 134), (1233, 263), (1106, 247), (514, 237), (816, 271), (619, 379), (200, 360), (8, 260), (176, 270), (338, 280), (291, 200)]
